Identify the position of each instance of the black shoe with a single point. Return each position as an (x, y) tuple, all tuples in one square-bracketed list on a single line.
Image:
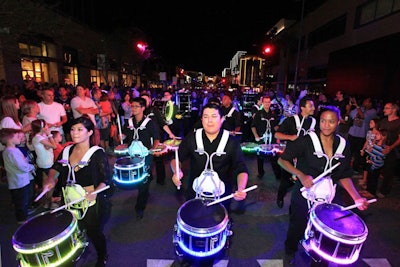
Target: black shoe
[(260, 175), (279, 203), (139, 214)]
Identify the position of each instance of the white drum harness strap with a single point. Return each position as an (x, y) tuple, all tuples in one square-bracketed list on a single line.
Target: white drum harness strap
[(137, 148), (208, 183), (323, 191), (267, 136), (230, 112), (74, 191), (299, 126)]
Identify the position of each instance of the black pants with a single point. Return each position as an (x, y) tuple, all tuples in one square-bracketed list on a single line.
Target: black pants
[(20, 197), (356, 144), (159, 163), (144, 187), (274, 164), (285, 184)]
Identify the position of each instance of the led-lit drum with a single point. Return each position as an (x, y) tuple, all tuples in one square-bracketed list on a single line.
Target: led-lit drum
[(121, 150), (172, 143), (333, 234), (161, 150), (249, 147), (201, 231), (270, 149), (130, 172), (49, 239)]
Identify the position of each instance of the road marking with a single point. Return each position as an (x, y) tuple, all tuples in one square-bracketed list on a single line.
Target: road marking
[(270, 263), (159, 263), (377, 262)]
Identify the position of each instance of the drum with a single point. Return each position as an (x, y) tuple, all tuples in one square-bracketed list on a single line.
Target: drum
[(333, 234), (130, 172), (184, 104), (321, 192), (270, 149), (49, 239), (172, 143), (121, 150), (161, 150), (200, 230), (249, 147)]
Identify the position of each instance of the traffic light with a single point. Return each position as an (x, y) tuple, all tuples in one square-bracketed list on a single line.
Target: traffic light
[(267, 50), (141, 46)]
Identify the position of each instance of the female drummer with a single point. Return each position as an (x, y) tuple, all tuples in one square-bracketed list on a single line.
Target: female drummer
[(309, 166), (94, 176), (229, 165)]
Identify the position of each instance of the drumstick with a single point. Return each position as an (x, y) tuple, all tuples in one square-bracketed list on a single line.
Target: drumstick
[(231, 195), (322, 175), (357, 204), (119, 129), (177, 165), (80, 199), (45, 190)]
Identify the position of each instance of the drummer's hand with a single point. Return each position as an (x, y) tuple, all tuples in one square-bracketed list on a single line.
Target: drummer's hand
[(176, 179), (239, 195), (364, 203), (306, 181), (233, 133), (172, 136), (90, 197), (257, 138)]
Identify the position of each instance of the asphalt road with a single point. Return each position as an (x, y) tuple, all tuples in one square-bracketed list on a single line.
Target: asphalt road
[(257, 229)]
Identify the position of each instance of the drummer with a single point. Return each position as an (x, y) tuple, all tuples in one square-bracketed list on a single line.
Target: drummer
[(95, 176), (229, 166), (310, 166), (149, 136), (232, 117), (154, 113)]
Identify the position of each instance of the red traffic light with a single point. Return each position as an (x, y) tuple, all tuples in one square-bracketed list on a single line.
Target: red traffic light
[(267, 50)]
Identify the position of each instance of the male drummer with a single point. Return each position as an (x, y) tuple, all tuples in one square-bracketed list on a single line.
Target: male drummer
[(229, 165), (309, 166), (289, 130), (232, 117), (263, 127), (154, 113), (147, 132)]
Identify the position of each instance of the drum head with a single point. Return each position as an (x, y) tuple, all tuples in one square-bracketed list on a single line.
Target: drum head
[(196, 216), (172, 142), (129, 162), (332, 219), (44, 228)]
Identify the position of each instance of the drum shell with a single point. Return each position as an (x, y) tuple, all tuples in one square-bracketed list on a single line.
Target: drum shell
[(334, 234), (130, 172), (249, 147), (202, 230), (49, 238)]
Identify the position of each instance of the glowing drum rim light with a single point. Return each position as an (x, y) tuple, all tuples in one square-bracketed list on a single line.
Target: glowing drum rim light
[(49, 239), (162, 150), (201, 231), (249, 147), (333, 234), (270, 149), (121, 150), (172, 143), (130, 172)]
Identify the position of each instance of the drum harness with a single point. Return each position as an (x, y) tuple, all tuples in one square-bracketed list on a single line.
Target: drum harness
[(137, 148), (325, 183), (267, 136), (208, 182), (74, 191)]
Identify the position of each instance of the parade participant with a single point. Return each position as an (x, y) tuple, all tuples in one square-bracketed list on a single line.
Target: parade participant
[(263, 126), (143, 129), (154, 113), (310, 165), (289, 130), (92, 177), (228, 165), (232, 118)]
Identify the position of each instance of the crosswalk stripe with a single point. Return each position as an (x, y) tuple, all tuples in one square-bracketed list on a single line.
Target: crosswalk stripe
[(159, 263), (377, 262), (270, 263)]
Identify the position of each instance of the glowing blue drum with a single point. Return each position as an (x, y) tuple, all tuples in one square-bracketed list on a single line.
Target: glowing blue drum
[(333, 234), (130, 172), (200, 230)]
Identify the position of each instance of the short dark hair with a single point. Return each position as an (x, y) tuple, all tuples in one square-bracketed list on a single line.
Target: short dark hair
[(8, 133), (140, 100), (214, 106)]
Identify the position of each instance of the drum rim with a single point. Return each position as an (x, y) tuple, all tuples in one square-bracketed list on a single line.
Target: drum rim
[(137, 165), (327, 229), (211, 230), (67, 232)]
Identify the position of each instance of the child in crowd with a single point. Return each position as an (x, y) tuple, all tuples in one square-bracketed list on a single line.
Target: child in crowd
[(59, 145), (19, 172), (369, 142), (105, 106), (375, 159), (44, 143)]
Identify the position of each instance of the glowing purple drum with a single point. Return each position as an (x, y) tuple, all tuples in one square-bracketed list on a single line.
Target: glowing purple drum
[(201, 230), (334, 234), (270, 149)]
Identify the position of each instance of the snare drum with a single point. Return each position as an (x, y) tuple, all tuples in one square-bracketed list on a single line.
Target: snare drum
[(249, 147), (161, 150), (172, 143), (121, 150), (270, 149), (130, 172), (49, 239), (335, 235), (200, 230)]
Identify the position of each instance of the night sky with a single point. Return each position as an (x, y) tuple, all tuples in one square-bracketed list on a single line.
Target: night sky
[(199, 35)]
